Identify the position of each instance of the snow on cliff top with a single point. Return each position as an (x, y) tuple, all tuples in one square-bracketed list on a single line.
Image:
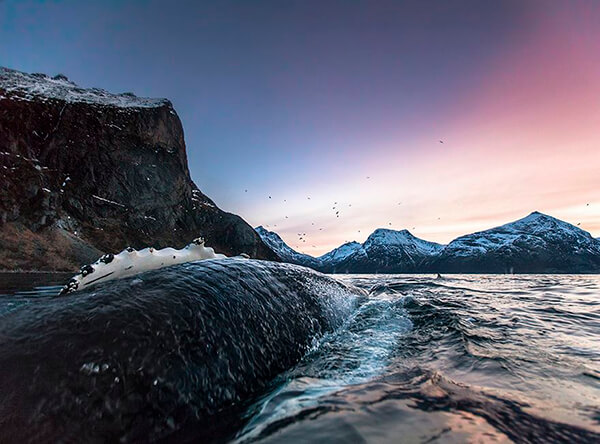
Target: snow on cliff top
[(23, 86)]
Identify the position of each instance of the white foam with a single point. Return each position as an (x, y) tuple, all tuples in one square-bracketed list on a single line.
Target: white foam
[(130, 262)]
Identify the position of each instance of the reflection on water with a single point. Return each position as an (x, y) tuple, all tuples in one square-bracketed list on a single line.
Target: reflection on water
[(17, 289)]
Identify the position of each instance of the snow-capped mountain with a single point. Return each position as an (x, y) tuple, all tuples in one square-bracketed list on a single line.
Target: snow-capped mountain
[(385, 251), (284, 251), (340, 253), (536, 243)]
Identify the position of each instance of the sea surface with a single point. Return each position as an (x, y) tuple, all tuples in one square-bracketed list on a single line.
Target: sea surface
[(411, 358)]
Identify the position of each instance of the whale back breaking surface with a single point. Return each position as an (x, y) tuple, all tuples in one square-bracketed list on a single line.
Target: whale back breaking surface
[(143, 357)]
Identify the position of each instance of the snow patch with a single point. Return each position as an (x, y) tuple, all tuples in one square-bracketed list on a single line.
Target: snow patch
[(22, 86), (102, 199)]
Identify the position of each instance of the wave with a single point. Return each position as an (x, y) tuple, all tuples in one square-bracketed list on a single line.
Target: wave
[(429, 365), (143, 357), (391, 408)]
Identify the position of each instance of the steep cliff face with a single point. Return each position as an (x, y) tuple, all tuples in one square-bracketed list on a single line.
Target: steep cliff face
[(85, 171)]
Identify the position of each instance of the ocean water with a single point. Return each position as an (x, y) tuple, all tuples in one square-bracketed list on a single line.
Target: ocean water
[(377, 358)]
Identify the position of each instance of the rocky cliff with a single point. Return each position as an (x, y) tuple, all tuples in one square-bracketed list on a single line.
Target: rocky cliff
[(83, 171)]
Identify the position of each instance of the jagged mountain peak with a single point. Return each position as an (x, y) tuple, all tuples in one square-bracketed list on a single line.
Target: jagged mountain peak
[(389, 235), (385, 237), (539, 224), (535, 243), (341, 252), (283, 250), (537, 217)]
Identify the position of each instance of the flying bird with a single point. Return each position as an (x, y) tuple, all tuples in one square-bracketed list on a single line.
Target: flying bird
[(441, 141)]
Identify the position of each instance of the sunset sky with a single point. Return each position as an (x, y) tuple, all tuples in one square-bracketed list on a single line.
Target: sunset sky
[(347, 102)]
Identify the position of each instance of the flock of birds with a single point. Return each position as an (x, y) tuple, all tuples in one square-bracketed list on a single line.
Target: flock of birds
[(302, 237)]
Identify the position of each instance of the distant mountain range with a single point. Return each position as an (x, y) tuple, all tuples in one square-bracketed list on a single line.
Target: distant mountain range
[(537, 243)]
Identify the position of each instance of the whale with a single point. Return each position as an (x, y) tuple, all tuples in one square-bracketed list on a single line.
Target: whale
[(174, 353)]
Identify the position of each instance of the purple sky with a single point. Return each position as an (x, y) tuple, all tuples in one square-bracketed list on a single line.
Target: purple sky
[(308, 99)]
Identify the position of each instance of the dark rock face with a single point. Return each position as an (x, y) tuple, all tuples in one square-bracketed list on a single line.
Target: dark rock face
[(84, 172)]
